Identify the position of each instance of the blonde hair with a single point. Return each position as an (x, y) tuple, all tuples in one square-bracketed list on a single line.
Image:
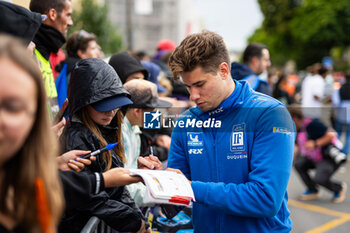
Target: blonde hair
[(84, 116), (35, 159)]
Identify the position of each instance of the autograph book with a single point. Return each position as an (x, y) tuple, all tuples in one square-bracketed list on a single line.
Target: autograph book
[(165, 187)]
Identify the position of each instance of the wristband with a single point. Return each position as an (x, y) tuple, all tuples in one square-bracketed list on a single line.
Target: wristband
[(98, 182)]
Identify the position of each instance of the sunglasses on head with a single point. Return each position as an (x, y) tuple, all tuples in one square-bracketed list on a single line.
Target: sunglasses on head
[(82, 34)]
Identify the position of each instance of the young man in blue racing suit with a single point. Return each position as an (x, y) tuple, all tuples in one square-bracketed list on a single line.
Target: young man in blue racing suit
[(235, 146)]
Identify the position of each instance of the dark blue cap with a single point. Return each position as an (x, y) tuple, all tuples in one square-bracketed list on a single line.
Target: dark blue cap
[(111, 103)]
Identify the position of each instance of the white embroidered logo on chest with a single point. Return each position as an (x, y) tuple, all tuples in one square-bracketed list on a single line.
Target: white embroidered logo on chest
[(237, 139), (195, 151)]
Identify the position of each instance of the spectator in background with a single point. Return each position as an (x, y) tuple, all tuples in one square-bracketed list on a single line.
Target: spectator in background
[(163, 47), (313, 92), (127, 67), (256, 59), (319, 149), (145, 98), (49, 38), (154, 74), (161, 58), (20, 22), (342, 103), (280, 92), (31, 195), (272, 77), (80, 45), (166, 44), (142, 56), (83, 45), (78, 193)]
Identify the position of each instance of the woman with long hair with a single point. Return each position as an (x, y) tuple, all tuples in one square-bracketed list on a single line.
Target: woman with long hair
[(30, 194), (95, 95)]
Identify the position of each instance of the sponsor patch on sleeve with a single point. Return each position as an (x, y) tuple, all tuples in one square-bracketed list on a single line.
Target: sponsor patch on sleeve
[(194, 139), (280, 130)]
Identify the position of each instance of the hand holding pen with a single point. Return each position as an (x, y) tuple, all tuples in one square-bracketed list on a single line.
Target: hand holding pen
[(73, 160), (100, 151), (149, 162)]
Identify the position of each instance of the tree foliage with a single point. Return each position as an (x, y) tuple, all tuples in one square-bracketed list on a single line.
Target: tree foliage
[(303, 30), (93, 17)]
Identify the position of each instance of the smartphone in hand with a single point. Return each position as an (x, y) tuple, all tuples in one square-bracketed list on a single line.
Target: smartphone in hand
[(62, 112)]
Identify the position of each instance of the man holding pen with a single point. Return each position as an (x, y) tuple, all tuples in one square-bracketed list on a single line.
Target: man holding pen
[(145, 98), (239, 164)]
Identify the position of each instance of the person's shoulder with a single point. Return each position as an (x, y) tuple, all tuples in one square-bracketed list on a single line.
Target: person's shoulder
[(265, 107), (264, 87), (77, 128), (78, 135), (258, 99), (317, 79)]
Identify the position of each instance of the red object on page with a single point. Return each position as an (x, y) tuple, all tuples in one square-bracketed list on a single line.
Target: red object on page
[(179, 200)]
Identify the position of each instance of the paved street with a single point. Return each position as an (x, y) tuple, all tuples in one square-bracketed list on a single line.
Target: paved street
[(319, 215)]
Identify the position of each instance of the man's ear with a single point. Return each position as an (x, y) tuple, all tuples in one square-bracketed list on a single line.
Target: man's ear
[(52, 15), (224, 70), (254, 63)]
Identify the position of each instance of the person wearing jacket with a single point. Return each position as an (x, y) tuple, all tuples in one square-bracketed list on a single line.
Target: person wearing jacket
[(128, 67), (235, 146), (256, 59), (80, 45), (18, 21), (341, 100), (78, 188), (95, 94), (145, 98), (49, 39), (317, 148), (27, 157)]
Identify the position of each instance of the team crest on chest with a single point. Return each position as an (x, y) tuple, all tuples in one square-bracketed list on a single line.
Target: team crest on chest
[(237, 140)]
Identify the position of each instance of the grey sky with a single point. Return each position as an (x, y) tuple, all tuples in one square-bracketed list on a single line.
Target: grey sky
[(235, 20)]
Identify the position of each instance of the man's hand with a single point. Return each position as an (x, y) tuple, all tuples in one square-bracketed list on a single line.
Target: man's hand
[(177, 171), (119, 176), (71, 160), (149, 162)]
